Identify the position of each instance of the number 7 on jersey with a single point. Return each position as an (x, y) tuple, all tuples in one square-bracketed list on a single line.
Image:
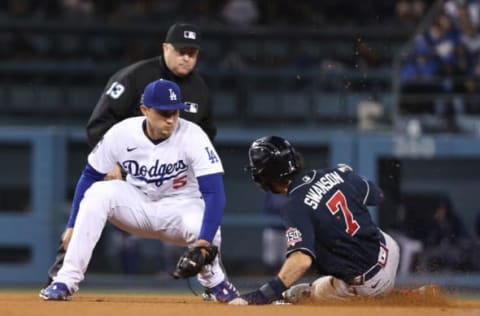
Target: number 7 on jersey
[(338, 202)]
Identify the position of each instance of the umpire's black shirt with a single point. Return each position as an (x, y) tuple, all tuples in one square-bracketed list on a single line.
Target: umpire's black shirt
[(122, 95)]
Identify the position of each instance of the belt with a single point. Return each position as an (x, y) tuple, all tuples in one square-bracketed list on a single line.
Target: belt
[(362, 278), (370, 273)]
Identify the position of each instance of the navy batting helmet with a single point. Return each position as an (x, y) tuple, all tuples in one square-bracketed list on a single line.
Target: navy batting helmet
[(272, 158)]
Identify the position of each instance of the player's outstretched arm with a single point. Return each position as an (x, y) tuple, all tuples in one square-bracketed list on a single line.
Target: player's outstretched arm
[(213, 192), (292, 270)]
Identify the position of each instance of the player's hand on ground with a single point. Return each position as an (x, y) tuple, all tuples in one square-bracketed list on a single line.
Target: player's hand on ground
[(67, 235), (297, 293), (114, 174)]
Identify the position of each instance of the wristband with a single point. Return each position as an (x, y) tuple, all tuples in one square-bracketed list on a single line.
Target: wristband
[(273, 290), (267, 293)]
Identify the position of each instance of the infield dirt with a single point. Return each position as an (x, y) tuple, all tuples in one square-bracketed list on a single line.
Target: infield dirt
[(85, 304)]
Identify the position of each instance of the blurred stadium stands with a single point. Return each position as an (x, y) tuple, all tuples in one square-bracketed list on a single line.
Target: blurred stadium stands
[(315, 51)]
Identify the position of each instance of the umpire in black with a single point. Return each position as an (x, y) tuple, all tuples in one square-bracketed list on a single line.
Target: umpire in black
[(122, 94), (121, 97)]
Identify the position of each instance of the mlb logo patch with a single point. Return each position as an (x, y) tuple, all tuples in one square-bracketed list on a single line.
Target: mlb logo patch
[(190, 35), (192, 107), (294, 236)]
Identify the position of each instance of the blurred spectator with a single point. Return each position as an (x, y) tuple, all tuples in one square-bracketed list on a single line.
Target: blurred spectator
[(437, 65), (240, 13), (410, 11), (432, 237), (461, 9), (445, 43), (421, 64), (366, 57), (448, 245), (447, 48), (83, 10), (470, 40)]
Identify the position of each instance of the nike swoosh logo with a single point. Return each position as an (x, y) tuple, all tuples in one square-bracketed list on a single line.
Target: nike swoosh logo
[(129, 149), (375, 285)]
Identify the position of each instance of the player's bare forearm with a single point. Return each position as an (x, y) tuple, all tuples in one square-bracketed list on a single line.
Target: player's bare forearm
[(294, 268)]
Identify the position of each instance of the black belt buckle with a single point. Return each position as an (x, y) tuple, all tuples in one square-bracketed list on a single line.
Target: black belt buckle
[(361, 279), (358, 280), (372, 272)]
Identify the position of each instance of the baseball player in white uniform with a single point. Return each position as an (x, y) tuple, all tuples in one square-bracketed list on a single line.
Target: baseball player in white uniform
[(173, 190)]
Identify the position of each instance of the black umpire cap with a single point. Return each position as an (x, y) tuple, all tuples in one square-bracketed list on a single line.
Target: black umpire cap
[(182, 35)]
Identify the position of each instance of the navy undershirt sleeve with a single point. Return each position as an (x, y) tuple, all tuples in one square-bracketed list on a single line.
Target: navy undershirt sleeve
[(87, 178), (211, 187)]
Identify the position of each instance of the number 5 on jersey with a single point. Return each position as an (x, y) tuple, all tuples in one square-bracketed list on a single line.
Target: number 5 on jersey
[(179, 182)]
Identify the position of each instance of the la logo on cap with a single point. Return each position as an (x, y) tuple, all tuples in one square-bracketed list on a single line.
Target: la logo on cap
[(173, 96), (190, 34)]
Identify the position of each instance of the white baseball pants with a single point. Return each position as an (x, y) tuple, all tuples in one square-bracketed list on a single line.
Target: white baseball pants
[(173, 219)]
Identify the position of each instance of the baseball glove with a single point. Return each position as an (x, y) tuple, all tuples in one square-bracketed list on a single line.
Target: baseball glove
[(193, 260)]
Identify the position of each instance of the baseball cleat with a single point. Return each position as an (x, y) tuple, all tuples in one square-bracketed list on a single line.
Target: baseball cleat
[(223, 292), (56, 292)]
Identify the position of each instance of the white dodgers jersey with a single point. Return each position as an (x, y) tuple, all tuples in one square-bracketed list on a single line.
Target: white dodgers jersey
[(160, 170)]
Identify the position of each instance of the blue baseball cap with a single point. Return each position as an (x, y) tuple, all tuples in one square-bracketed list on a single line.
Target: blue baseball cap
[(163, 95)]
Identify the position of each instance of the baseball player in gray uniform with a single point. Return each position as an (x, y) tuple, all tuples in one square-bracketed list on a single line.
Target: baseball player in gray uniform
[(173, 192)]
